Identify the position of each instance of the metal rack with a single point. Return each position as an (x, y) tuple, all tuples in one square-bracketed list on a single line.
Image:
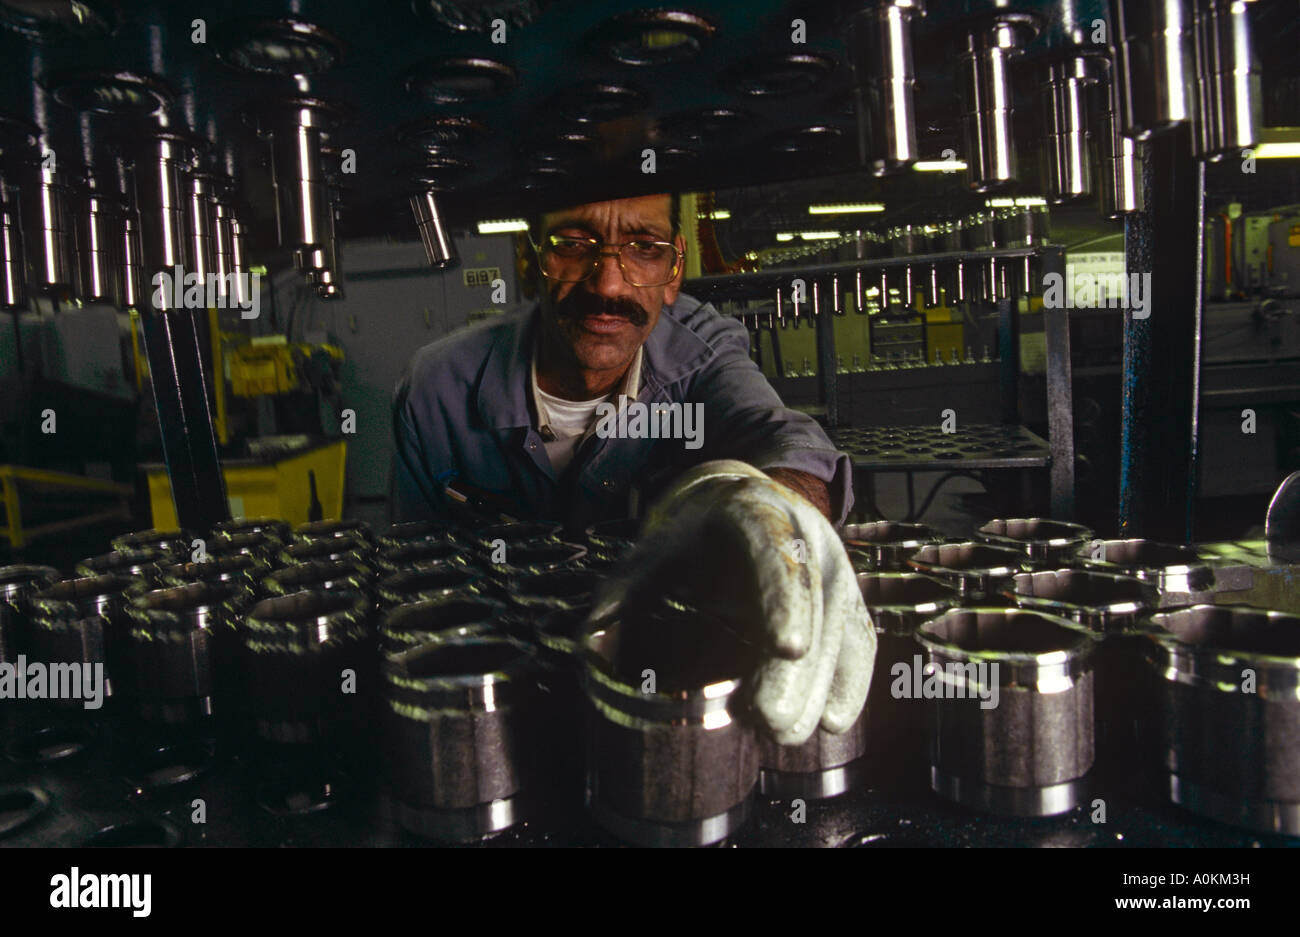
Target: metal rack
[(1059, 455)]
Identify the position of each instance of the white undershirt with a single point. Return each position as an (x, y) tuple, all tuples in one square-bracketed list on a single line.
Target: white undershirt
[(568, 422)]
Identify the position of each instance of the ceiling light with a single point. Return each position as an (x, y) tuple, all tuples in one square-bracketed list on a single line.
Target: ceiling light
[(847, 208), (502, 226), (939, 165)]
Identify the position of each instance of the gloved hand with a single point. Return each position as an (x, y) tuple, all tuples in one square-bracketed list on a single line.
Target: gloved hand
[(733, 542)]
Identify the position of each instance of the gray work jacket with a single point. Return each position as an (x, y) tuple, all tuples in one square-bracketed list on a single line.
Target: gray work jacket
[(463, 411)]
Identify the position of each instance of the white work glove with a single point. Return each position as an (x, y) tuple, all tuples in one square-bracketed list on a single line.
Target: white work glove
[(726, 538)]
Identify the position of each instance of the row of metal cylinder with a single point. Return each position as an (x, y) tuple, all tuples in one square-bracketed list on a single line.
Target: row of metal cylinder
[(884, 286), (99, 234), (1164, 62), (488, 668), (152, 201), (1117, 673)]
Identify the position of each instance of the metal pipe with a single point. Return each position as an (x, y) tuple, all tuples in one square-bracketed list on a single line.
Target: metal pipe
[(1229, 99), (1155, 58), (1121, 171), (879, 42), (1068, 140), (988, 100), (438, 245)]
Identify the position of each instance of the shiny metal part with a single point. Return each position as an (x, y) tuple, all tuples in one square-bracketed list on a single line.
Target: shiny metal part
[(1028, 751), (879, 43), (1228, 747)]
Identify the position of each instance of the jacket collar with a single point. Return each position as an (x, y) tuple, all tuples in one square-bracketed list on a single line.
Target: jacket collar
[(671, 352)]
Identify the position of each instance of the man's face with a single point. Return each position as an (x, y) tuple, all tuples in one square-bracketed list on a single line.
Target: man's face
[(604, 319)]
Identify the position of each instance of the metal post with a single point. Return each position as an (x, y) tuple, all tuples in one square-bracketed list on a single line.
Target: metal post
[(1161, 371), (826, 376), (176, 364), (1060, 396), (1009, 353)]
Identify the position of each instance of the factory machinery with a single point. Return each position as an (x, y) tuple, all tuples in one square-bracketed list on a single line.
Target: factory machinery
[(324, 684)]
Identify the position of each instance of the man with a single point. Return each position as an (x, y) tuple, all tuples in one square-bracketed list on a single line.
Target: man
[(519, 411)]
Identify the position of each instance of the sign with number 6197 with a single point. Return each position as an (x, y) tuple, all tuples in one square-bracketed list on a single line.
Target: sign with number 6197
[(481, 276)]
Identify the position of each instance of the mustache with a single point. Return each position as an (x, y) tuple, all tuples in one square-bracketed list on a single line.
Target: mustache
[(578, 305)]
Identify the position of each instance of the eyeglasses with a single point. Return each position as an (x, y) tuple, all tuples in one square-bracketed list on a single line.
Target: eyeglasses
[(643, 262)]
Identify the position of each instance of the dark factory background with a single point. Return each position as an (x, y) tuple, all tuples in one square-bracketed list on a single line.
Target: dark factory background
[(880, 193)]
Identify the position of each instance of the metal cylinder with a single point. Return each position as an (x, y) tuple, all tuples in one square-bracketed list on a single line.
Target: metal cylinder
[(229, 291), (1121, 176), (179, 649), (1177, 571), (416, 553), (442, 619), (293, 652), (200, 192), (886, 545), (131, 257), (172, 543), (13, 261), (524, 558), (16, 584), (335, 548), (144, 563), (295, 127), (609, 541), (1041, 539), (978, 571), (416, 532), (896, 724), (1229, 98), (162, 192), (432, 581), (879, 43), (669, 762), (988, 101), (17, 150), (82, 621), (461, 734), (1067, 143), (1110, 606), (327, 530), (493, 535), (1027, 750), (252, 525), (1230, 713), (49, 228), (536, 594), (438, 245), (260, 544), (243, 570), (239, 263), (99, 245), (1155, 59), (825, 766), (327, 575)]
